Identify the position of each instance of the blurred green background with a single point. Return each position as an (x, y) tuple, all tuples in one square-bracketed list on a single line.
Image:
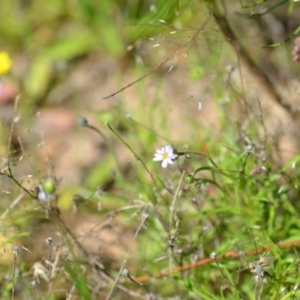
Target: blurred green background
[(203, 93)]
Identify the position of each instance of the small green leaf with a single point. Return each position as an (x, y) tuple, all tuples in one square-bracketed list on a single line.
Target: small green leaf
[(297, 31)]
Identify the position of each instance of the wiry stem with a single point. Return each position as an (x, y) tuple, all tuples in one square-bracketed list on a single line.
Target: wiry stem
[(171, 222), (126, 258)]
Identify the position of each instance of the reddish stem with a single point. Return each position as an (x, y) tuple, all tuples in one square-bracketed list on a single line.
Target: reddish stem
[(205, 261)]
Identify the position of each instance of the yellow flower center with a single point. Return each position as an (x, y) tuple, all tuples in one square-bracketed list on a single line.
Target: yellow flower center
[(165, 155)]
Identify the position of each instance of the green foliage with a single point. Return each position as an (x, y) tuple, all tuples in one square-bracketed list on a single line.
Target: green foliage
[(187, 228), (78, 278)]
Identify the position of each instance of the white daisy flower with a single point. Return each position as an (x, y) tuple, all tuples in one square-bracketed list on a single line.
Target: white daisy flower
[(166, 155)]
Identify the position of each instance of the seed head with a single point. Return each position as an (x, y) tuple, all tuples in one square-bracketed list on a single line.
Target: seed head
[(48, 240), (16, 250), (213, 255)]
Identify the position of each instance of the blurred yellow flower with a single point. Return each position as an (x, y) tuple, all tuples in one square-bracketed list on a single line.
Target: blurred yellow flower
[(5, 63)]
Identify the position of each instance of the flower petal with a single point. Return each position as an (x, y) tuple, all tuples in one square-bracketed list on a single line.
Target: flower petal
[(170, 162), (160, 151), (157, 158), (166, 155), (164, 163), (174, 156), (168, 148)]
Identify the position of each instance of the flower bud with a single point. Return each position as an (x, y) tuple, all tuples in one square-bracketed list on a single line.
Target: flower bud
[(81, 121), (49, 186), (189, 179)]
